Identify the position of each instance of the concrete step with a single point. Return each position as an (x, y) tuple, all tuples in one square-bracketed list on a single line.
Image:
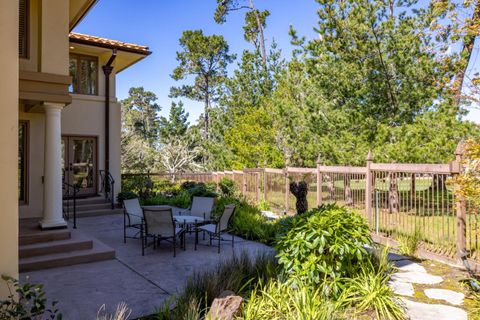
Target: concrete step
[(77, 242), (93, 206), (101, 212), (98, 252), (89, 200), (36, 236)]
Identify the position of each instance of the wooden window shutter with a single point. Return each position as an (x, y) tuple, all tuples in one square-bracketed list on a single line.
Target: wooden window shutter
[(23, 29)]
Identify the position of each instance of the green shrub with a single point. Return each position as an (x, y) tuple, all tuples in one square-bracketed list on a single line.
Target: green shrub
[(29, 303), (325, 244), (263, 205), (227, 187), (142, 185), (199, 189), (181, 199), (125, 195)]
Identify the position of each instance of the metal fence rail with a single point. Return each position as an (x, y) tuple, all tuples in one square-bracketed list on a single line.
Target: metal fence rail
[(397, 200)]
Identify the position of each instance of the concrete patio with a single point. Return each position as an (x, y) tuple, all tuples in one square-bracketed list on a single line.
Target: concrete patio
[(143, 282)]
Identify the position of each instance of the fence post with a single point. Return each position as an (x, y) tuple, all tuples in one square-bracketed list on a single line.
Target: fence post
[(265, 188), (257, 182), (244, 183), (319, 182), (461, 207), (287, 189), (369, 189)]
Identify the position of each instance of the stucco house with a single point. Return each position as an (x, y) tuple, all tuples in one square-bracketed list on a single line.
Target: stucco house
[(59, 117)]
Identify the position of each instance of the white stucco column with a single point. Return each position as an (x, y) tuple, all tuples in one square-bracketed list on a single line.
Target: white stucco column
[(52, 187)]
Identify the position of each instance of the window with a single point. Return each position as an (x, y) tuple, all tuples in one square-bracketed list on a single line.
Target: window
[(84, 73), (22, 161), (23, 29)]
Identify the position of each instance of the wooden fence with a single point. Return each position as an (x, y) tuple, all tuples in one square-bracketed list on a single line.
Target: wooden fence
[(397, 200)]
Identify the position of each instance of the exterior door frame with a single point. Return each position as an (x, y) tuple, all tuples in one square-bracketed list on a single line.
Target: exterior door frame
[(68, 154)]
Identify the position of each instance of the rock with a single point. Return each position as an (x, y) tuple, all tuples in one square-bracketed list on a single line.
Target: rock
[(452, 297), (424, 311), (416, 277), (396, 257), (409, 266), (402, 288), (226, 307)]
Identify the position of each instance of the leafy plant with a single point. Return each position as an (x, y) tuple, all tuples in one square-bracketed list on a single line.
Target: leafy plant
[(121, 313), (408, 244), (26, 301), (263, 205), (325, 244)]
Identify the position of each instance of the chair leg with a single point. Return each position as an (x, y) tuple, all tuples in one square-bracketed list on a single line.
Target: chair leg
[(233, 240), (143, 240), (184, 242), (196, 238), (204, 235), (154, 242), (174, 246), (219, 240), (124, 229), (210, 239)]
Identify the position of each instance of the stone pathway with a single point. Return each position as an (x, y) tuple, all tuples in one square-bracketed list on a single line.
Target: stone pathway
[(410, 281)]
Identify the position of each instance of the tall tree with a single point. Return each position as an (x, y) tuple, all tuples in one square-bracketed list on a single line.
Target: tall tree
[(176, 125), (140, 115), (205, 58), (255, 22)]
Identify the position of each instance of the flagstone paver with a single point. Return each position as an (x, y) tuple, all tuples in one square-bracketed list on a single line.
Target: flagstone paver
[(412, 276), (452, 297), (426, 311)]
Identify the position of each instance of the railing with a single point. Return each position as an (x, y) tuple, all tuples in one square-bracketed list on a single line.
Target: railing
[(108, 186), (70, 195), (397, 200)]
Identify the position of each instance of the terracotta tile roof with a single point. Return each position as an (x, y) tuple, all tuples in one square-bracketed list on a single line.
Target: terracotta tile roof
[(107, 43)]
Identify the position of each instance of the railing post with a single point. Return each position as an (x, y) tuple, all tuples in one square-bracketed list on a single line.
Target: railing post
[(369, 189), (461, 207), (287, 189), (319, 182)]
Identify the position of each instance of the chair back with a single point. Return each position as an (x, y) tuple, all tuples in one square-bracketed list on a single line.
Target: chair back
[(159, 221), (133, 210), (202, 207), (225, 218)]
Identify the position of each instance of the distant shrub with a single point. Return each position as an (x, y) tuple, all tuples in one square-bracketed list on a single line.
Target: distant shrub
[(199, 189), (142, 185), (227, 187), (326, 243), (125, 195)]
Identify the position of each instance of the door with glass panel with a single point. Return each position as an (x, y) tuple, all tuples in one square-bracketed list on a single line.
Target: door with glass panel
[(79, 163)]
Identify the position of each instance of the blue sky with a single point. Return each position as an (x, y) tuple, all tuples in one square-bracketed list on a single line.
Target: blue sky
[(160, 23)]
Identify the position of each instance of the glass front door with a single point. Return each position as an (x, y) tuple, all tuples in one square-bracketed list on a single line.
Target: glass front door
[(79, 163)]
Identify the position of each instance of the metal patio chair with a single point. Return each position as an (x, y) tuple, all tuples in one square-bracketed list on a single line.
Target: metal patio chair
[(132, 218), (215, 230), (160, 225)]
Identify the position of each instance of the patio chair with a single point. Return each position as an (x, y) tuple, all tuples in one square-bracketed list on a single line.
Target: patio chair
[(160, 225), (201, 207), (215, 230), (132, 218)]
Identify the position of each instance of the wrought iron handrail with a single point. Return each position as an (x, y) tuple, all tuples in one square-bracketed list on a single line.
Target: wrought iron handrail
[(108, 186), (70, 194)]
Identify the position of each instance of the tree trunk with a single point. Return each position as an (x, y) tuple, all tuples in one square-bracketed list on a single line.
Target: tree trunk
[(260, 30)]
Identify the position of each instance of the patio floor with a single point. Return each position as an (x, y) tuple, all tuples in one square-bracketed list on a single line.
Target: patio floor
[(143, 282)]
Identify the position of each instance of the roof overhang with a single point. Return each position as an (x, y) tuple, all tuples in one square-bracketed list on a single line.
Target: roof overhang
[(126, 56), (78, 10)]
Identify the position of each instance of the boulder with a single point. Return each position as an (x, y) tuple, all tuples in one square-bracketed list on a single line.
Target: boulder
[(226, 307)]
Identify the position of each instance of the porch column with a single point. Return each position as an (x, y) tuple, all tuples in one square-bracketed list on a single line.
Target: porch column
[(52, 192)]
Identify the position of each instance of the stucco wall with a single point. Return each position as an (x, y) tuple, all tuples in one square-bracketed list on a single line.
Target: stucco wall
[(8, 141)]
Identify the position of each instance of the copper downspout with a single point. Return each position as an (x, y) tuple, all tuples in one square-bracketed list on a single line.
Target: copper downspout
[(107, 70)]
